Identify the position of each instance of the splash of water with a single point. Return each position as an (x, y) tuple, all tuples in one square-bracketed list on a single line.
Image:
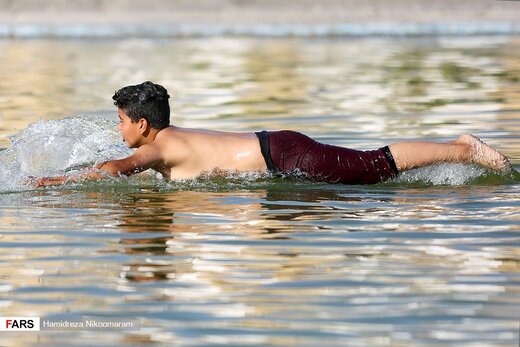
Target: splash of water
[(455, 174), (56, 147)]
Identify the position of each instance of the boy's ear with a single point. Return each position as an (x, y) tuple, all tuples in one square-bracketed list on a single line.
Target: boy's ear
[(143, 125)]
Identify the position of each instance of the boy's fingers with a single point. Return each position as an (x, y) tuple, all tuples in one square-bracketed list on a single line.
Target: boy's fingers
[(34, 182), (29, 181)]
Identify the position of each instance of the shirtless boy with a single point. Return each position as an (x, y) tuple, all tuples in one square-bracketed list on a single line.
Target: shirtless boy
[(181, 153)]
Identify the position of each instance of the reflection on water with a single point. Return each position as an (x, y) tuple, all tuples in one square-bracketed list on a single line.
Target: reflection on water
[(264, 261), (291, 264)]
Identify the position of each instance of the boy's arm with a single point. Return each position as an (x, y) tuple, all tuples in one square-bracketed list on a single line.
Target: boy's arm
[(142, 159)]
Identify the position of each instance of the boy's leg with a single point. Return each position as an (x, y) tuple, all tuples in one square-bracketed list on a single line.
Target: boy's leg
[(466, 149)]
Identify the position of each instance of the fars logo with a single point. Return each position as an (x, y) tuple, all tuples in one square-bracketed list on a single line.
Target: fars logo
[(19, 323)]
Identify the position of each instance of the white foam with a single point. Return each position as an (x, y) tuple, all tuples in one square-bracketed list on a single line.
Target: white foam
[(55, 147), (443, 173)]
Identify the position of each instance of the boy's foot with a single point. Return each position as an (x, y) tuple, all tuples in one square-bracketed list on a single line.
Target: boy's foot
[(484, 155)]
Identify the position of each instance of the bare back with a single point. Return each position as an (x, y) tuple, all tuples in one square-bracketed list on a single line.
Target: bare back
[(186, 153)]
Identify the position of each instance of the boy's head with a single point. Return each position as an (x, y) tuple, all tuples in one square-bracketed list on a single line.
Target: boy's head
[(146, 100)]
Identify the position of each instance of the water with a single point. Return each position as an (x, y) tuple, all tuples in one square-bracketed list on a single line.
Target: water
[(226, 28), (430, 259)]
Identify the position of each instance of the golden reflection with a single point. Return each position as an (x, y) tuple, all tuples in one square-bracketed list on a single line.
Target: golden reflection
[(207, 228), (510, 93), (244, 254), (277, 86), (32, 88)]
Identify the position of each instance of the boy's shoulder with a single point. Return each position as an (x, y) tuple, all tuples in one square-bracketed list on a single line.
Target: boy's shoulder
[(166, 134), (169, 143)]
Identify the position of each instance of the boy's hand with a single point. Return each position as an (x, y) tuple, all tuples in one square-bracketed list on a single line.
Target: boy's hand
[(37, 182), (144, 158)]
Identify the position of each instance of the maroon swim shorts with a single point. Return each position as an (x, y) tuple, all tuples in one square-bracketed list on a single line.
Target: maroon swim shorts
[(292, 152)]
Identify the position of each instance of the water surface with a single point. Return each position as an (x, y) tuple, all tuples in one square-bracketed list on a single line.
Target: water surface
[(431, 259)]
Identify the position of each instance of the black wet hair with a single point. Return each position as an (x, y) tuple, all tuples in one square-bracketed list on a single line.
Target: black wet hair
[(146, 100)]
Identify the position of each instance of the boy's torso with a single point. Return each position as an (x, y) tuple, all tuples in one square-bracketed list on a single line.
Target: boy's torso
[(186, 153)]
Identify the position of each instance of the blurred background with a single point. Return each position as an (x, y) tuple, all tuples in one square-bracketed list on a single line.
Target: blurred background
[(61, 18)]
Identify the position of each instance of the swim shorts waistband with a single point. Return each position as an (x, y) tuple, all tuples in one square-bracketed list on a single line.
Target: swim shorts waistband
[(390, 158), (263, 137)]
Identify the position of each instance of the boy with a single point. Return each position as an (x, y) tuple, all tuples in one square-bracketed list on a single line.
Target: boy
[(180, 153)]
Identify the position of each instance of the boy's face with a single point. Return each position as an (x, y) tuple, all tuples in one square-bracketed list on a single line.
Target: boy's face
[(128, 129)]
